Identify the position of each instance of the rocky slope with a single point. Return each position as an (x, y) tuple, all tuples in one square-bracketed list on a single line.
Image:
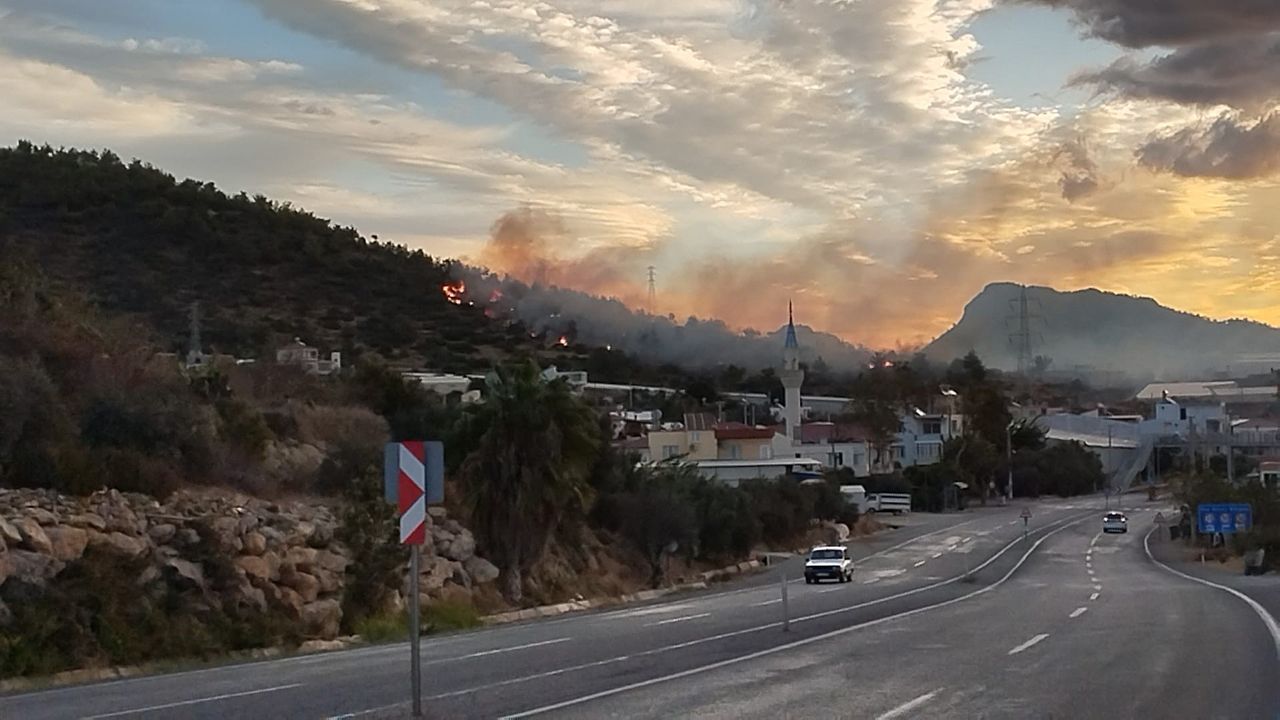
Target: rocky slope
[(217, 552)]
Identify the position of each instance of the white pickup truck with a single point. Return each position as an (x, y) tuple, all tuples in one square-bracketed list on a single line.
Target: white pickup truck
[(876, 502)]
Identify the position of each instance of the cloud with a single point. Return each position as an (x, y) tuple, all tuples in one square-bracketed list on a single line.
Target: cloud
[(1230, 148), (1242, 73), (1144, 23), (1079, 172)]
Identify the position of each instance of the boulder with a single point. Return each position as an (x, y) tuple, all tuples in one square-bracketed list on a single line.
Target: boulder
[(303, 558), (322, 618), (332, 561), (34, 537), (255, 567), (307, 585), (481, 570), (88, 520), (288, 599), (118, 542), (149, 574), (226, 533), (187, 537), (68, 543), (312, 646), (42, 516), (437, 512), (31, 567), (302, 532), (462, 547), (255, 543), (246, 594), (454, 593), (322, 536), (10, 533), (6, 615), (330, 582), (185, 573), (247, 522), (435, 572), (162, 533), (453, 526)]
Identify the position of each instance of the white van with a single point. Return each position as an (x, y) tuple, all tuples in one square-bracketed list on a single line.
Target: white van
[(896, 503)]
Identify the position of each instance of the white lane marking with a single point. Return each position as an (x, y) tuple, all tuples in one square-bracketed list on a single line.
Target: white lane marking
[(1078, 612), (682, 618), (1013, 522), (908, 706), (1097, 587), (1266, 617), (496, 651), (1028, 643), (197, 701), (920, 563), (767, 602), (837, 588), (795, 643), (653, 610), (1094, 541), (1093, 597), (1089, 564), (936, 555), (965, 539)]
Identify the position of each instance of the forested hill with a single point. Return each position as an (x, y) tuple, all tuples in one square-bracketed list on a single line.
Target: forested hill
[(1102, 330), (137, 241)]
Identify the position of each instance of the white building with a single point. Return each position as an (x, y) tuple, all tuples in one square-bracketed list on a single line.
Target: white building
[(299, 354), (439, 383)]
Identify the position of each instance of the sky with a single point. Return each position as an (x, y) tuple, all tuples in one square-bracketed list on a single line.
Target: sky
[(876, 161)]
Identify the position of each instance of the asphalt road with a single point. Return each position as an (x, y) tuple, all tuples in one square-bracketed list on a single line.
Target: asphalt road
[(1064, 623)]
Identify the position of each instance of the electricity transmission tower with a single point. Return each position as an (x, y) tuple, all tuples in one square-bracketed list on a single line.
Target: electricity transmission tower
[(1023, 337), (653, 289)]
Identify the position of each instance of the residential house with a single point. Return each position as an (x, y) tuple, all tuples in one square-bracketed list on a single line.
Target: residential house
[(694, 440), (301, 355), (836, 446), (736, 441)]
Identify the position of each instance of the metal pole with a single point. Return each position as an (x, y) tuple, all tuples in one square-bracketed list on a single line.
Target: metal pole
[(1008, 447), (786, 609), (414, 631)]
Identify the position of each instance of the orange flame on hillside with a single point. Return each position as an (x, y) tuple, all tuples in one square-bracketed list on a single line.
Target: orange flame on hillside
[(563, 341), (495, 296), (454, 291)]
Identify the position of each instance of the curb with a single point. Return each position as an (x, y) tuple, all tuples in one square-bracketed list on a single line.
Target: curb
[(642, 596)]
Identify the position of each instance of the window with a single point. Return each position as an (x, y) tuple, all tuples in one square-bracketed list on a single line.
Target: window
[(837, 459), (735, 451), (1213, 425), (670, 451), (695, 436), (932, 427), (1182, 415), (766, 452)]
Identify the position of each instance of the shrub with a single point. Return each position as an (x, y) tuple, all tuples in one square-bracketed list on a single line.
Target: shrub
[(444, 616)]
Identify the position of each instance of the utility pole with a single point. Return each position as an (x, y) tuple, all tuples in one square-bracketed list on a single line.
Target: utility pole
[(1008, 450)]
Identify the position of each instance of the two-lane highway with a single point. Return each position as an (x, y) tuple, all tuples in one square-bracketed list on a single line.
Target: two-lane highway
[(910, 618)]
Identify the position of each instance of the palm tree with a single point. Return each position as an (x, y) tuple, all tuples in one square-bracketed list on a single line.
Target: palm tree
[(529, 470)]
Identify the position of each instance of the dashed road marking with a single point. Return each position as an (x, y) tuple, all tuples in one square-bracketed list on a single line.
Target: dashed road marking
[(1028, 643), (1093, 597), (908, 706), (920, 563), (683, 618), (1078, 612)]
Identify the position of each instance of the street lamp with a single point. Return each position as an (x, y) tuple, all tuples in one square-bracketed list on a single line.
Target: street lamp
[(1008, 448)]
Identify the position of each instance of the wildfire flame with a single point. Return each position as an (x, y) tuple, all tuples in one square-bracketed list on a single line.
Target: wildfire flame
[(563, 341), (887, 363), (495, 296), (454, 291)]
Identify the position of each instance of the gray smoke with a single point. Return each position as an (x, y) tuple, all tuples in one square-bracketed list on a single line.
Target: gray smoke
[(1079, 172), (693, 344)]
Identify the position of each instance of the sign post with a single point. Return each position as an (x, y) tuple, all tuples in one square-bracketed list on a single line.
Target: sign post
[(413, 477), (786, 611), (1026, 517), (1224, 518)]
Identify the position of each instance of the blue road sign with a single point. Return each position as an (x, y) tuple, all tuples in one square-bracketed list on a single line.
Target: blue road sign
[(433, 465), (1225, 518)]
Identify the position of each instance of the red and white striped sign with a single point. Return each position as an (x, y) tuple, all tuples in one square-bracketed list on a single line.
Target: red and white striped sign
[(411, 492)]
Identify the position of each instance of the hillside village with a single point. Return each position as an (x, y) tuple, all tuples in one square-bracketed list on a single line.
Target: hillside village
[(213, 444)]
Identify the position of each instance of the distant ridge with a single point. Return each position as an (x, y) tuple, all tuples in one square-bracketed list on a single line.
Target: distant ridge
[(1104, 332)]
